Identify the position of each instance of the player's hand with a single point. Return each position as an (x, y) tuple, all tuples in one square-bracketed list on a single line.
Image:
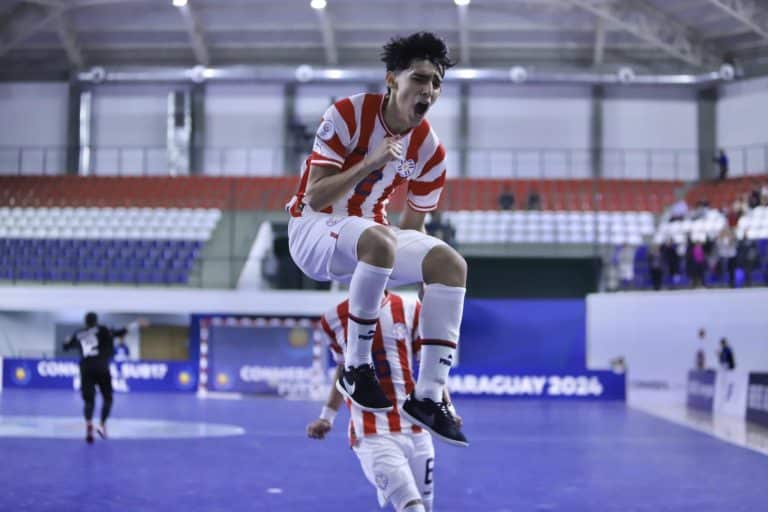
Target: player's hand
[(318, 428), (390, 148), (459, 421)]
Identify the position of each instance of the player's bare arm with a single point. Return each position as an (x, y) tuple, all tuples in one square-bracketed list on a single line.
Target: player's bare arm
[(327, 184), (321, 426), (411, 219)]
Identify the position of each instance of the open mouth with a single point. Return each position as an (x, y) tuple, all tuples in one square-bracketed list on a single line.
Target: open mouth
[(421, 108)]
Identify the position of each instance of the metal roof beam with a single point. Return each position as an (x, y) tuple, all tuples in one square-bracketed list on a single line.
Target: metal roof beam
[(329, 38), (748, 12), (68, 37), (464, 55), (196, 36), (24, 21), (654, 27), (599, 50)]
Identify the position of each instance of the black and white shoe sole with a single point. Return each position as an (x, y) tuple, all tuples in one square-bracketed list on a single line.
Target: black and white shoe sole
[(341, 389), (437, 434)]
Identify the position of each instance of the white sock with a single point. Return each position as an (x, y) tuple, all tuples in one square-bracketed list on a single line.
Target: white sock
[(441, 311), (365, 293)]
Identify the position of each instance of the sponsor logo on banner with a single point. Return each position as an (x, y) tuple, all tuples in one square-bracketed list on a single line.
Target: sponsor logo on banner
[(600, 385), (21, 374)]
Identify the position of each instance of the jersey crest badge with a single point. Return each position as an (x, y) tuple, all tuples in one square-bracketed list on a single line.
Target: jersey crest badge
[(326, 130), (405, 167)]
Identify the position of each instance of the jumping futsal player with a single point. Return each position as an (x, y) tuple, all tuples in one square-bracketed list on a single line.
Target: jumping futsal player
[(366, 146)]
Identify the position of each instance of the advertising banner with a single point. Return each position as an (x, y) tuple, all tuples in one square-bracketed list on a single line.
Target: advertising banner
[(757, 398), (701, 389), (580, 385), (126, 376)]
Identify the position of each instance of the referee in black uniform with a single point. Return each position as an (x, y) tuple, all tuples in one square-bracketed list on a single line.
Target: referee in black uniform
[(96, 345)]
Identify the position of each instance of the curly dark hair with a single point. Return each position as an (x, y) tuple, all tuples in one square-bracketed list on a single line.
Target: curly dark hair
[(399, 52)]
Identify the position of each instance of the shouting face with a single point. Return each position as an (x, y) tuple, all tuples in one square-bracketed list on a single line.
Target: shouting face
[(412, 92)]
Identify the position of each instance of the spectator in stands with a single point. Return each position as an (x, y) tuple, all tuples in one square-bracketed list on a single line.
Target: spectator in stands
[(725, 355), (671, 258), (753, 201), (738, 208), (702, 206), (678, 211), (656, 266), (441, 228), (507, 199), (722, 163), (627, 266), (764, 195), (747, 257), (534, 200), (726, 253), (698, 263), (711, 254)]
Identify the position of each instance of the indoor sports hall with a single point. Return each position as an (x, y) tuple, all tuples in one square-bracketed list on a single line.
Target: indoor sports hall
[(601, 166)]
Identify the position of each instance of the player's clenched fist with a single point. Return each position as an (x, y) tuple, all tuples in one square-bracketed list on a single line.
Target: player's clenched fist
[(390, 148), (318, 428)]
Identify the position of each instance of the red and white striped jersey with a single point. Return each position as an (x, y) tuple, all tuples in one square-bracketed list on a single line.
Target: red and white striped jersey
[(349, 129), (394, 346)]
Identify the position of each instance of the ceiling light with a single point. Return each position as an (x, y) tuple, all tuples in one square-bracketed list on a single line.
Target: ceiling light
[(318, 4), (180, 3), (461, 2)]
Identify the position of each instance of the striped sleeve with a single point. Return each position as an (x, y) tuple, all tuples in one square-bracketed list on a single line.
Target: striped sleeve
[(424, 190), (331, 332), (334, 135)]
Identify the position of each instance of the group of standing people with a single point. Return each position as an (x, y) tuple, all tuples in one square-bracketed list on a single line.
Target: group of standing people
[(718, 259)]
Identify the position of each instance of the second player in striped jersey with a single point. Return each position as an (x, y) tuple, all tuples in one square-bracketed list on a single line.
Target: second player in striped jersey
[(396, 455)]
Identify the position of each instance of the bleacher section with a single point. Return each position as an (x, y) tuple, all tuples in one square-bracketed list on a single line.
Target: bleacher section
[(498, 227), (721, 194), (105, 245), (271, 193)]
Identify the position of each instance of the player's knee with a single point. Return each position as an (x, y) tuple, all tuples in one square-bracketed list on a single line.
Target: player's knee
[(377, 246), (414, 506), (406, 499), (444, 265)]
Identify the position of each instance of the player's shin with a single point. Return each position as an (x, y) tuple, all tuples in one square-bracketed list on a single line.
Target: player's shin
[(365, 293), (441, 312)]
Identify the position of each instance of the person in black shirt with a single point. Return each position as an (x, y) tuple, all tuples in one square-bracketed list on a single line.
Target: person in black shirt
[(96, 345), (727, 361)]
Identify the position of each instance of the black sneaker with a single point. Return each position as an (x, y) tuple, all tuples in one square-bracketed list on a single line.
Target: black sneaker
[(435, 417), (359, 384)]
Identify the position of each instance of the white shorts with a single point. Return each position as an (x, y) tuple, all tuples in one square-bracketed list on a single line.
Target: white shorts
[(391, 461), (324, 247)]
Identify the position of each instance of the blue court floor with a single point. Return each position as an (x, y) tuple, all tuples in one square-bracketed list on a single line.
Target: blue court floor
[(253, 455)]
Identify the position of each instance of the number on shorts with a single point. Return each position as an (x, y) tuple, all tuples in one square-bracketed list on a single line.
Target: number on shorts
[(430, 466)]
